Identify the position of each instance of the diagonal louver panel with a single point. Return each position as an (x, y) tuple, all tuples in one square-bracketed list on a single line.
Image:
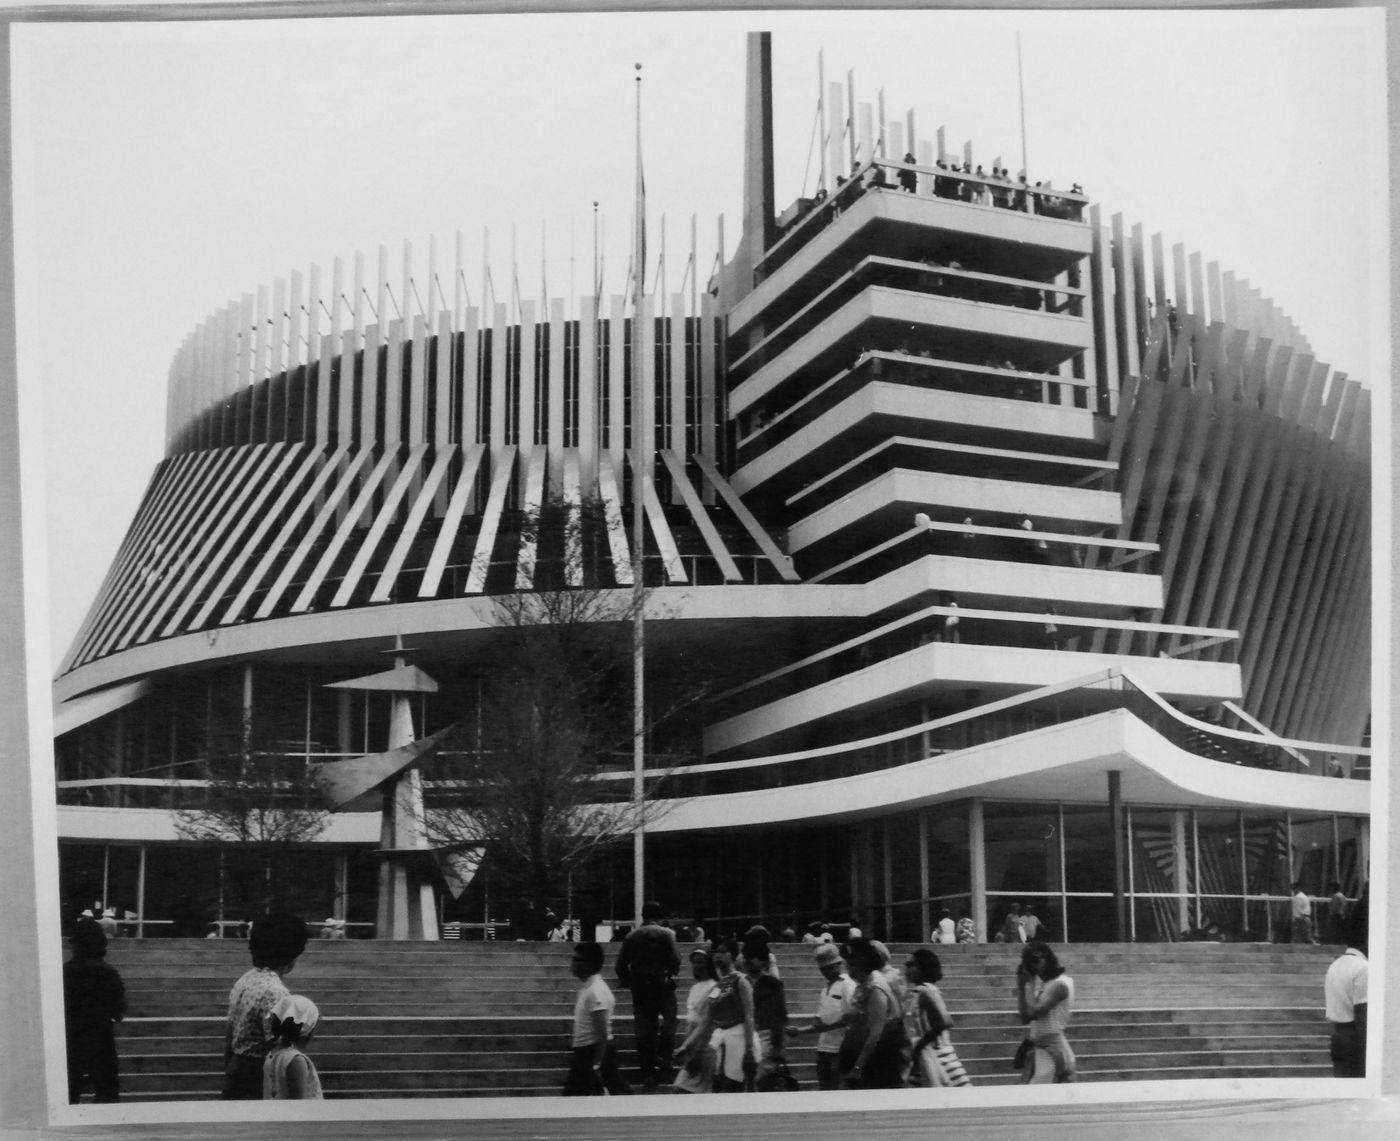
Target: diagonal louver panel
[(447, 532), (383, 589), (702, 521), (226, 514), (354, 465), (266, 520), (530, 507), (612, 516), (491, 520), (302, 508), (130, 578), (665, 541), (780, 561), (234, 486), (233, 542), (573, 509), (169, 545), (156, 490), (342, 533), (387, 511)]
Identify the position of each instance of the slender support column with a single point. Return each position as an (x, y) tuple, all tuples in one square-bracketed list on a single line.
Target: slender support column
[(141, 893), (1115, 811), (1363, 853), (342, 884), (887, 877), (977, 850), (1244, 877), (925, 914), (761, 908), (1179, 869)]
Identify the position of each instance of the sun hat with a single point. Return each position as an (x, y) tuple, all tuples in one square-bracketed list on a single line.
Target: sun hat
[(294, 1008)]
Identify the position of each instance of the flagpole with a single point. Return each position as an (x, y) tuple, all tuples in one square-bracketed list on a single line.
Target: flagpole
[(640, 449), (1021, 86)]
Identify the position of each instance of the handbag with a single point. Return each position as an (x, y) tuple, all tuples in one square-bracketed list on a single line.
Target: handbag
[(698, 1073), (1023, 1052), (778, 1079), (950, 1065)]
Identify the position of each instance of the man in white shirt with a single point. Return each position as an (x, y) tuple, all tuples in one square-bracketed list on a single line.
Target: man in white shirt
[(594, 1066), (1302, 916), (833, 1008), (1345, 988)]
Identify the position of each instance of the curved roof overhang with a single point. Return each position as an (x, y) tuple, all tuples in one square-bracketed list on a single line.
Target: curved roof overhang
[(444, 626), (1068, 762)]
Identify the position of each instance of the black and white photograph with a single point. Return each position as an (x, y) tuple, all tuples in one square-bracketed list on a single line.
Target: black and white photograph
[(693, 555)]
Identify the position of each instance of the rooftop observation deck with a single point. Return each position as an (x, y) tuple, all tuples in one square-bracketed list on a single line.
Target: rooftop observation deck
[(1037, 230)]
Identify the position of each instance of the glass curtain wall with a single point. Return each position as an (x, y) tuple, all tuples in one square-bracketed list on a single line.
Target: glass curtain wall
[(1212, 873)]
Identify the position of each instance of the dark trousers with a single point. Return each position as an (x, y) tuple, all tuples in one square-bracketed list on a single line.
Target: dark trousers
[(828, 1075), (583, 1082), (653, 1023), (243, 1079), (92, 1056), (1348, 1051)]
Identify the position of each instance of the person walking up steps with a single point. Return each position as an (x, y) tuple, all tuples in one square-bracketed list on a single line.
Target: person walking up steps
[(275, 943), (1345, 987), (648, 964), (594, 1068), (1044, 1000), (936, 1063), (834, 1008), (93, 999), (288, 1074)]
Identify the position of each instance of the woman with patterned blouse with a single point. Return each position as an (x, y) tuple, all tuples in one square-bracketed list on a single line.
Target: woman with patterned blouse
[(275, 944)]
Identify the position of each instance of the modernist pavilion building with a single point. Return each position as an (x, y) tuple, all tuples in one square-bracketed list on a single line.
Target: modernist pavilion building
[(1025, 557)]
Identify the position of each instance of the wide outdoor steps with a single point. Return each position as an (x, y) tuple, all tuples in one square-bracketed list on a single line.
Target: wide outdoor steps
[(468, 1019)]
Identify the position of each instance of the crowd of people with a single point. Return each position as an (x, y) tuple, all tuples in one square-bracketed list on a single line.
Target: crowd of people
[(966, 183), (875, 1025)]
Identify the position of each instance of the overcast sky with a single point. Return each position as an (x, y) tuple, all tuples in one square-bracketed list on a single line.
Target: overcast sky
[(163, 170)]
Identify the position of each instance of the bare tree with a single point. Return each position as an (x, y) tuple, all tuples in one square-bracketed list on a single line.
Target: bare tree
[(260, 803), (554, 712)]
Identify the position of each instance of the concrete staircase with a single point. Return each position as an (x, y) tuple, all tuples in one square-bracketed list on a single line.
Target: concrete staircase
[(471, 1019)]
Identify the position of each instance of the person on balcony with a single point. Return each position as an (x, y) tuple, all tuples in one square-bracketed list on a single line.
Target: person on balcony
[(909, 179), (1302, 910), (944, 187)]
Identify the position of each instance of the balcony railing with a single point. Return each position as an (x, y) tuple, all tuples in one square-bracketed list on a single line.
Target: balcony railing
[(950, 625), (916, 369), (1016, 716), (937, 278), (671, 776), (812, 215)]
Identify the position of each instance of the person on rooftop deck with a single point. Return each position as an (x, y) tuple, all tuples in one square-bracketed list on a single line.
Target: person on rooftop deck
[(908, 179)]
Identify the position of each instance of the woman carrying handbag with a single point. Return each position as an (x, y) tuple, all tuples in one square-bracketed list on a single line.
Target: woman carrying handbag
[(936, 1063)]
